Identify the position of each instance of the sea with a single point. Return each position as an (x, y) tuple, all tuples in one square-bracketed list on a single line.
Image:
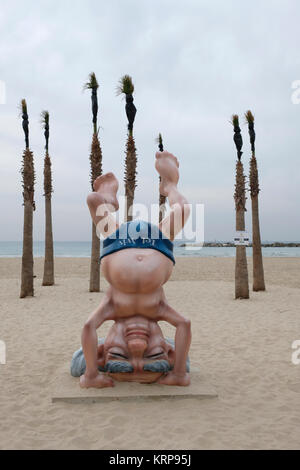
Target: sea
[(71, 249)]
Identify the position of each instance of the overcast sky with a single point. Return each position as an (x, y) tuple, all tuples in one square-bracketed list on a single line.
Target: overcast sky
[(193, 63)]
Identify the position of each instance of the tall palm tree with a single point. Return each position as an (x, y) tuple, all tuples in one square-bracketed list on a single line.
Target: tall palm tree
[(162, 199), (48, 278), (258, 268), (28, 177), (241, 269), (96, 170), (127, 88)]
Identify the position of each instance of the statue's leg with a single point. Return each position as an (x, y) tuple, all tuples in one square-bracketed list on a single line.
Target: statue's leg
[(103, 202), (167, 166)]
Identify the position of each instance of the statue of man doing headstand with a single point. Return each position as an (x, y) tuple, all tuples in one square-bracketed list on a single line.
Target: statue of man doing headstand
[(137, 260)]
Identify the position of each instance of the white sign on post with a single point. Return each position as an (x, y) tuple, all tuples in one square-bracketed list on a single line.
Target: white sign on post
[(241, 238)]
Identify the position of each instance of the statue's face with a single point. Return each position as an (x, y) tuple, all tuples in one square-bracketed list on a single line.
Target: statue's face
[(135, 342)]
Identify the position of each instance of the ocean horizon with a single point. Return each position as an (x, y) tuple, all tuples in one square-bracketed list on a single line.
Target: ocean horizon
[(82, 249)]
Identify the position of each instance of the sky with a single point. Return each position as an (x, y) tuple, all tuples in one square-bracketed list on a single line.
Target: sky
[(193, 64)]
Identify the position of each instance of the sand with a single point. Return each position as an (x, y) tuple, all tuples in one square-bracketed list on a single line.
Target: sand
[(243, 348)]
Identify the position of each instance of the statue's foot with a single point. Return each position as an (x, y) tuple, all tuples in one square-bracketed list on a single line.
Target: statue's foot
[(98, 381), (107, 186), (167, 166)]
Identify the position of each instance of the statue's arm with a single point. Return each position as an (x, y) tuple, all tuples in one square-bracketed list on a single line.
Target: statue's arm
[(89, 339), (183, 337)]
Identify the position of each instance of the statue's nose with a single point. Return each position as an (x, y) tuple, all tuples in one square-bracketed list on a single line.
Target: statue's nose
[(137, 347)]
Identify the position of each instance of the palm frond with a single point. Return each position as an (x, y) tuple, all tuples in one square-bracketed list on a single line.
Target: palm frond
[(25, 121), (159, 141), (92, 83), (45, 123), (249, 117), (45, 118), (125, 86), (250, 120), (23, 106), (237, 137), (235, 120)]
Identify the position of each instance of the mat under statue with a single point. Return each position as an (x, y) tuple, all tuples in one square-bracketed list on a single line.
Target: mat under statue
[(137, 260)]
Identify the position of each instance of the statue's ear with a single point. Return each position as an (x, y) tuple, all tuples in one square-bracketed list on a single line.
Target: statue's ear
[(171, 355), (100, 358)]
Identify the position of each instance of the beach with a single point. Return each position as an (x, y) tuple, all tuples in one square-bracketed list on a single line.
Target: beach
[(242, 347)]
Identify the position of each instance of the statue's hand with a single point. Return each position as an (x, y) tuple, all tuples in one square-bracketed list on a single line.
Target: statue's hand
[(174, 379), (98, 381)]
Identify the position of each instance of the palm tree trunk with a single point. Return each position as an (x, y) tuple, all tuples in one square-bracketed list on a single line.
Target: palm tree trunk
[(29, 206), (27, 256), (130, 176), (96, 170), (48, 279), (95, 265), (162, 199), (162, 205), (258, 269), (241, 268)]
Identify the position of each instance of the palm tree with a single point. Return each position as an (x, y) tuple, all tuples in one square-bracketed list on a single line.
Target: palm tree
[(241, 269), (28, 177), (48, 278), (126, 87), (162, 199), (258, 268), (96, 170)]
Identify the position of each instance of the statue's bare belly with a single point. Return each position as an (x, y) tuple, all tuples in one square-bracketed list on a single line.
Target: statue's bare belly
[(136, 276)]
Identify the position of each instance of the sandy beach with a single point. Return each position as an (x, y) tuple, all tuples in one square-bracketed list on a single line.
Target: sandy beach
[(243, 348)]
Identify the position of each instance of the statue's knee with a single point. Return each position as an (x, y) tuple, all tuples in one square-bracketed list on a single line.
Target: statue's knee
[(92, 200), (88, 327)]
